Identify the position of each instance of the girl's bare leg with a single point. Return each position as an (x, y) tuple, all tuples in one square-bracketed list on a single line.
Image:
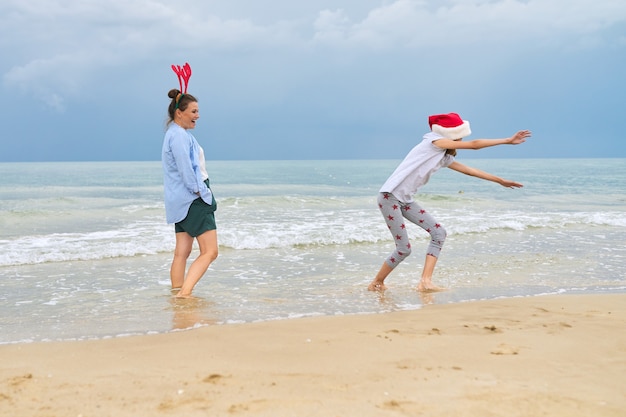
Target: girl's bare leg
[(378, 283), (426, 284)]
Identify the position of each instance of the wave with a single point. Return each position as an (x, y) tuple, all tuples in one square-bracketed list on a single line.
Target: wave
[(300, 225), (143, 238)]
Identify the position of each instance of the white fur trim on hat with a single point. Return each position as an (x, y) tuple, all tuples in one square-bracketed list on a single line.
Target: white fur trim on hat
[(457, 132), (449, 125)]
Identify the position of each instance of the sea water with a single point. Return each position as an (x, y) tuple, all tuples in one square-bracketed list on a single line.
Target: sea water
[(85, 250)]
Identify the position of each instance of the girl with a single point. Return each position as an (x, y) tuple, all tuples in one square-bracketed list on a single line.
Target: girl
[(395, 201)]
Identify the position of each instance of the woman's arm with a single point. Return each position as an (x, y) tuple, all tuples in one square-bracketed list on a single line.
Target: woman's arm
[(474, 172), (516, 139), (180, 146)]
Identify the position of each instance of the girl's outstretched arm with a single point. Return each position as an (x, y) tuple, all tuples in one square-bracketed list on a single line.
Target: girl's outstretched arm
[(474, 172), (516, 139)]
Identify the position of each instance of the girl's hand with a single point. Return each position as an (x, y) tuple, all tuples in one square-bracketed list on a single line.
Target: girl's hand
[(519, 137), (510, 184)]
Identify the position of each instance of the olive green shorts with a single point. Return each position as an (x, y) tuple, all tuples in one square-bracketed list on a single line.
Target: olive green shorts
[(200, 218)]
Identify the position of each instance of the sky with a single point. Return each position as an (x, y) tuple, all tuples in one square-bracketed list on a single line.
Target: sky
[(315, 79)]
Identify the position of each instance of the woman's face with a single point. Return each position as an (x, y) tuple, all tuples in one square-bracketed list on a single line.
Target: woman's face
[(187, 119)]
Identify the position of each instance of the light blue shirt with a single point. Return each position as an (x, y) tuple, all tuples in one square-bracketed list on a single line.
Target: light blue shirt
[(183, 173)]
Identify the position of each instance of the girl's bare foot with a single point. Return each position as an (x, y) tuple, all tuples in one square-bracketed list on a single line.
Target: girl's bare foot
[(376, 286), (427, 286)]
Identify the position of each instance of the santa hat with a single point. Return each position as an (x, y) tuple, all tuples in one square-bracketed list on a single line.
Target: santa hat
[(449, 125)]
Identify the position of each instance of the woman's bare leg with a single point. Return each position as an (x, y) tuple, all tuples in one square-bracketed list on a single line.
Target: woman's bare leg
[(184, 243), (208, 253)]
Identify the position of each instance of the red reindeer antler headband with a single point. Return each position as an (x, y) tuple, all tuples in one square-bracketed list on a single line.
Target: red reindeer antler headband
[(184, 74)]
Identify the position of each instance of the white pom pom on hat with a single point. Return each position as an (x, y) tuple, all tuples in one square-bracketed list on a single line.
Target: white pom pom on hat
[(449, 125)]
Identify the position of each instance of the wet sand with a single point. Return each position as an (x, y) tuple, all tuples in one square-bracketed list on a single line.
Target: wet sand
[(552, 355)]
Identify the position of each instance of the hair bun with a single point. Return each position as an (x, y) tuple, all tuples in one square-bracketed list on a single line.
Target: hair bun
[(173, 93)]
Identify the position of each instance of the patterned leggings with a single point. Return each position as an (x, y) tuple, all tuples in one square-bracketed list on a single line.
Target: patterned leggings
[(394, 213)]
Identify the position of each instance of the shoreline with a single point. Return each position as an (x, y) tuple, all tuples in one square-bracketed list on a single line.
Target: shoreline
[(541, 355)]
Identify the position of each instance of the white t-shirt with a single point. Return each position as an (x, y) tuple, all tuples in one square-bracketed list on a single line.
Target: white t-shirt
[(416, 168), (202, 163)]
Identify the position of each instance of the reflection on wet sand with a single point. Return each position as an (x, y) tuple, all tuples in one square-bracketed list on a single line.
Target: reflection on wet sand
[(386, 300), (190, 312)]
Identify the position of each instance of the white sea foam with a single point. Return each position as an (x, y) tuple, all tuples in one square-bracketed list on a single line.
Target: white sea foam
[(248, 229)]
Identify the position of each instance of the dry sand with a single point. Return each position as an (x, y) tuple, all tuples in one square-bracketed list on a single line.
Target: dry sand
[(537, 356)]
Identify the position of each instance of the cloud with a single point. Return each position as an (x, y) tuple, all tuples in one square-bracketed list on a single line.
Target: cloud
[(331, 26), (57, 72), (410, 23), (55, 48)]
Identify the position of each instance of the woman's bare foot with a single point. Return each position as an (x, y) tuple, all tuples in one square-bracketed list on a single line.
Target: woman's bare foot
[(376, 286), (428, 286), (179, 294)]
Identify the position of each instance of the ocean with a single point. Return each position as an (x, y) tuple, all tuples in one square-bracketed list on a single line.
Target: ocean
[(85, 250)]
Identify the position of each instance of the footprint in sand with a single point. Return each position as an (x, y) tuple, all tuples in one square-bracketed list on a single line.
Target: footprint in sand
[(213, 378), (504, 349), (493, 329), (19, 380)]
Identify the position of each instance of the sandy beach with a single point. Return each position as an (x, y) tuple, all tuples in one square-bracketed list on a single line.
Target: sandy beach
[(551, 355)]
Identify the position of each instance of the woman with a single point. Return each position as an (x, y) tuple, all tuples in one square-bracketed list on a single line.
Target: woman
[(395, 201), (189, 202)]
